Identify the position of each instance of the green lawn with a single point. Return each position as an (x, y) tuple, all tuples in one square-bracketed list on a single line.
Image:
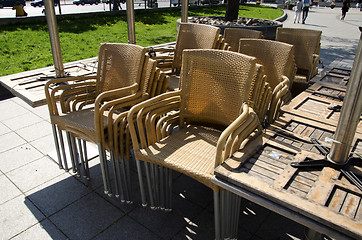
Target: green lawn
[(27, 47)]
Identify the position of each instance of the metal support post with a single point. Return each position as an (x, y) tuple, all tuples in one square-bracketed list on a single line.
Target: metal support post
[(131, 22), (54, 38), (350, 113), (184, 10)]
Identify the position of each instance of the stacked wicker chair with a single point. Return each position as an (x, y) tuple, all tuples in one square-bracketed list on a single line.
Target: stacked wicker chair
[(233, 35), (307, 53), (189, 36), (194, 129), (85, 107), (278, 62)]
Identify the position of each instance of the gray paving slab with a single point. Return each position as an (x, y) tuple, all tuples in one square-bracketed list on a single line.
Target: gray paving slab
[(44, 230), (54, 195), (127, 229), (34, 174), (17, 215), (8, 189), (18, 156), (87, 217), (10, 140)]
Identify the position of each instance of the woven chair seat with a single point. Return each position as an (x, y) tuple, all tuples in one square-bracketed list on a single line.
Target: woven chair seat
[(81, 123), (191, 150)]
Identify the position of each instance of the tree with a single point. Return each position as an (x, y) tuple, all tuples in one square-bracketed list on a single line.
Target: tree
[(232, 10)]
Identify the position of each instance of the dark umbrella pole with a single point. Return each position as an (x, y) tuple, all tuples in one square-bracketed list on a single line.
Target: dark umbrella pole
[(54, 38)]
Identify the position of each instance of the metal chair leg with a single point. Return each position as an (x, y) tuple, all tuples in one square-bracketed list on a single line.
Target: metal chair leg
[(140, 180), (71, 153), (116, 180), (124, 180), (76, 156), (86, 160), (128, 185), (56, 142), (162, 188), (217, 214), (81, 156), (169, 188), (149, 185), (104, 169), (60, 134)]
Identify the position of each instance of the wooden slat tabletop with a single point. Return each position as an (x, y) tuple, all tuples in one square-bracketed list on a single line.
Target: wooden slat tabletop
[(321, 194)]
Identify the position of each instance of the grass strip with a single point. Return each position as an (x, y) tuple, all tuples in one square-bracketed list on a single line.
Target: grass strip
[(27, 47)]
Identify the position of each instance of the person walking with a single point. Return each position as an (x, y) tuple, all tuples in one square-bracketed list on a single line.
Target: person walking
[(19, 10), (306, 4), (345, 8), (298, 10)]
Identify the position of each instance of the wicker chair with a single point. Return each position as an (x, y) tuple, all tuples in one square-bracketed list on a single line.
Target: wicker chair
[(89, 104), (233, 35), (194, 129), (189, 36), (279, 67), (307, 53)]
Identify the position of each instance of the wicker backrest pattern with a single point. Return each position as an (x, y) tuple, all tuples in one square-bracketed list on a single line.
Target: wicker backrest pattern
[(194, 36), (214, 85), (233, 35), (306, 42), (276, 57), (119, 65)]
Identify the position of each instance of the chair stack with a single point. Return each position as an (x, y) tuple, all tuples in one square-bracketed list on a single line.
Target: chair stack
[(194, 129), (307, 54), (86, 107), (233, 35), (189, 36), (277, 59)]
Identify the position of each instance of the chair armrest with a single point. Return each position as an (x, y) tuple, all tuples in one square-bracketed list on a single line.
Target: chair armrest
[(137, 116), (118, 98), (236, 133), (279, 91), (53, 94)]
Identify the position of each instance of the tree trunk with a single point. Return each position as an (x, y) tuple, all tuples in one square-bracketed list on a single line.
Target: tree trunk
[(232, 10)]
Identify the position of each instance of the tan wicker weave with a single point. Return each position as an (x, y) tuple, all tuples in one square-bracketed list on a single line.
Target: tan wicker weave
[(189, 36), (194, 129), (279, 68), (307, 53), (90, 104), (233, 35)]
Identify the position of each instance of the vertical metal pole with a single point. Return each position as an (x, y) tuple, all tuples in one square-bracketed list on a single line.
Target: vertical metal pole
[(184, 10), (350, 113), (131, 22), (54, 38)]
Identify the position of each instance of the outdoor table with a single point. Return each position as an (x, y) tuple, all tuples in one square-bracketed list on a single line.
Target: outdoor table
[(321, 102), (319, 198), (334, 76)]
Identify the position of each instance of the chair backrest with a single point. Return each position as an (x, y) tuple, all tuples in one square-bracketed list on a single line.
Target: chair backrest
[(276, 57), (306, 43), (119, 65), (214, 85), (233, 35), (194, 36)]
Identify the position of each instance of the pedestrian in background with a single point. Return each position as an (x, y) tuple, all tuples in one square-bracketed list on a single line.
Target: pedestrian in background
[(19, 10), (345, 8), (298, 11), (306, 4)]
